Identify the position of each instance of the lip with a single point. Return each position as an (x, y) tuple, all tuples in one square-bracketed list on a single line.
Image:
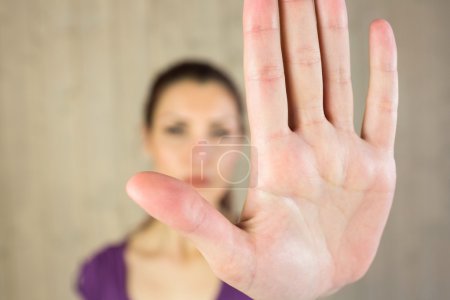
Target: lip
[(198, 181)]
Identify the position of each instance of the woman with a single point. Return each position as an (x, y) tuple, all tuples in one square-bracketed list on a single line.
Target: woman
[(188, 103), (320, 193)]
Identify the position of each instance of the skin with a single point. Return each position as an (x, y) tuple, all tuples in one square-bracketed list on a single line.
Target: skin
[(314, 219), (187, 112)]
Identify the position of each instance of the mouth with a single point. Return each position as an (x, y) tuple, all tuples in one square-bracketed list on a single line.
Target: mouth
[(198, 181)]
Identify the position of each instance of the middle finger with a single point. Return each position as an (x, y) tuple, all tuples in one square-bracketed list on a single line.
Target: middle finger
[(302, 60)]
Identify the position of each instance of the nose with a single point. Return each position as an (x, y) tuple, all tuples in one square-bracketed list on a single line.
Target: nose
[(200, 149), (201, 152)]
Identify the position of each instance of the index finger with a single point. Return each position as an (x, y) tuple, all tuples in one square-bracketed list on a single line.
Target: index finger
[(263, 68)]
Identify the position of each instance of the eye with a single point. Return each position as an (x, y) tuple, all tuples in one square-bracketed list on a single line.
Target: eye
[(220, 132), (174, 130)]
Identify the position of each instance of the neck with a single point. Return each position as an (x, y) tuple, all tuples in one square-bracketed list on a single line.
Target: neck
[(162, 239)]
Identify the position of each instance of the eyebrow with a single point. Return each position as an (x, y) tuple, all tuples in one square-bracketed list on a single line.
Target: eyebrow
[(214, 123)]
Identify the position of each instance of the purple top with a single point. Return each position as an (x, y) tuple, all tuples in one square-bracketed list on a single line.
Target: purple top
[(102, 277)]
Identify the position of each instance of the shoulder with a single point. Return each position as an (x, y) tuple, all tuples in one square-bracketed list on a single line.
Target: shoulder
[(102, 270), (102, 258)]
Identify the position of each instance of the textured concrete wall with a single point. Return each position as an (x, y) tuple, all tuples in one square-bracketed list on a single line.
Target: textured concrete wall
[(73, 74)]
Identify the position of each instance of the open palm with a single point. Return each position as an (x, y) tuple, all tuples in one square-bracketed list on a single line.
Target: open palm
[(321, 194)]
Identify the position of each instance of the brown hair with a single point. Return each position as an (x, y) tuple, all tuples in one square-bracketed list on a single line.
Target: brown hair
[(194, 70)]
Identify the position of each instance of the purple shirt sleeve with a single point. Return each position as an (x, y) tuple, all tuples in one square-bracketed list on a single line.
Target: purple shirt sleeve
[(102, 276)]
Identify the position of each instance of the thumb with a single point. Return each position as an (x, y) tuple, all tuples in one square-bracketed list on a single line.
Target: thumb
[(225, 246)]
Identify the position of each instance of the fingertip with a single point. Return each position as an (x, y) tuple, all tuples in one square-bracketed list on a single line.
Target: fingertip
[(381, 32), (383, 24), (134, 185), (383, 46), (145, 187)]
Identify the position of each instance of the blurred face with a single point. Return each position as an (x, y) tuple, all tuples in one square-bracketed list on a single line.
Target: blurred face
[(189, 112)]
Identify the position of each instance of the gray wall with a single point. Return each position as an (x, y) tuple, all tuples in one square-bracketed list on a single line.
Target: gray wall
[(73, 74)]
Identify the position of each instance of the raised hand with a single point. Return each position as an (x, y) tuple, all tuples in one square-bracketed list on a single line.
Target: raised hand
[(313, 221)]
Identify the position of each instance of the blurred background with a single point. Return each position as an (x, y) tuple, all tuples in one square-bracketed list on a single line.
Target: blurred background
[(73, 76)]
